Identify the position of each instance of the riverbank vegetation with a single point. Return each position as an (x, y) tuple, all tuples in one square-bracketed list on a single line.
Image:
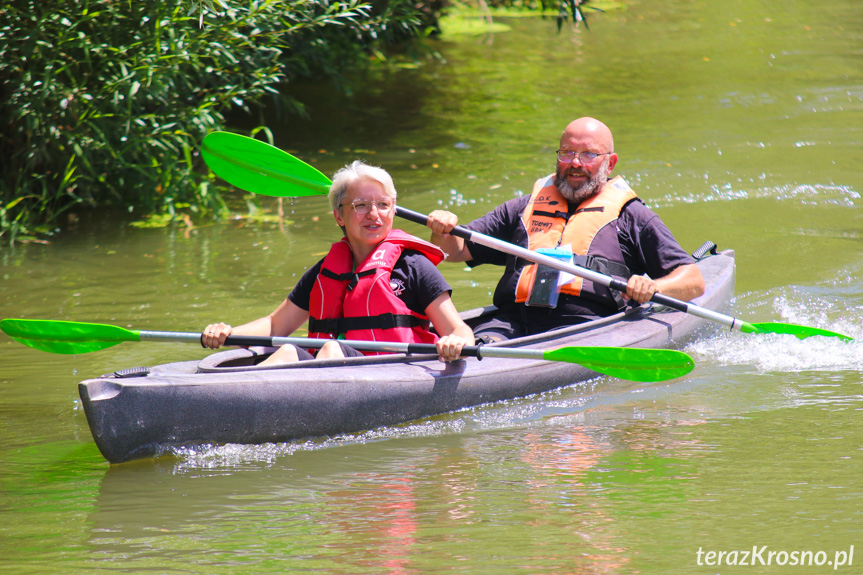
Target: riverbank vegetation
[(105, 103)]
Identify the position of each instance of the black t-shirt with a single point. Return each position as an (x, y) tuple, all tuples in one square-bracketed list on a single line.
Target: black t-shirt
[(415, 280), (647, 244)]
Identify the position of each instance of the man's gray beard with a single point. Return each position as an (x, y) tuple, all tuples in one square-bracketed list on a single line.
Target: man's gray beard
[(591, 187)]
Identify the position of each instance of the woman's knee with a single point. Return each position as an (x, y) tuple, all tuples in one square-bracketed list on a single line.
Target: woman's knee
[(330, 350), (285, 354)]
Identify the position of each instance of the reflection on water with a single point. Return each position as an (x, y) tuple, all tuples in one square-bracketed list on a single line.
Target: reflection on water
[(553, 493)]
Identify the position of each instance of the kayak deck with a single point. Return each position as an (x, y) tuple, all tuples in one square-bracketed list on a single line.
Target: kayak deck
[(228, 398)]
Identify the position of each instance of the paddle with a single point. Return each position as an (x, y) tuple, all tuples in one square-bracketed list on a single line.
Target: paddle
[(258, 167), (625, 363), (733, 323), (254, 166)]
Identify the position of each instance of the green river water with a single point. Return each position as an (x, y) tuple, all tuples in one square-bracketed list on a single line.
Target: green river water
[(739, 122)]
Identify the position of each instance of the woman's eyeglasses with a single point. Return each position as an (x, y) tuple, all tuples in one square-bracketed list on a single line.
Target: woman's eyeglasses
[(362, 207)]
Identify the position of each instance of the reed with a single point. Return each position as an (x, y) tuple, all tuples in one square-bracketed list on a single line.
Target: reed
[(105, 103)]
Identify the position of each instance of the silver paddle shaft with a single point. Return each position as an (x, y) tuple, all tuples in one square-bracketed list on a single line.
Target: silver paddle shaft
[(584, 273)]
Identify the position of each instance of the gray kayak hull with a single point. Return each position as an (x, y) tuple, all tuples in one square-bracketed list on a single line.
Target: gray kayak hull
[(226, 398)]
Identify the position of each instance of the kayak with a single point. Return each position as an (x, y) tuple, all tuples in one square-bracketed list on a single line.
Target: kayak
[(227, 398)]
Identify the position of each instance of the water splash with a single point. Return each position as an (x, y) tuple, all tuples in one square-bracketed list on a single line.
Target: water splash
[(814, 306), (780, 353), (508, 414), (234, 456)]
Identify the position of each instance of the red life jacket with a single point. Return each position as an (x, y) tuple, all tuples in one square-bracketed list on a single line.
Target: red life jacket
[(360, 304), (591, 232)]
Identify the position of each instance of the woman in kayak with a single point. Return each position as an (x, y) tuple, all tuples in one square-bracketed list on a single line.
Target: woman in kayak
[(376, 283)]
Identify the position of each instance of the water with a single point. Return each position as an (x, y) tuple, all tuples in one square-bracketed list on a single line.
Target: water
[(739, 122)]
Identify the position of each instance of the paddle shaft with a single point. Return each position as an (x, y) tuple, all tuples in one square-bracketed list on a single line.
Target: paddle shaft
[(584, 273), (386, 346), (637, 364)]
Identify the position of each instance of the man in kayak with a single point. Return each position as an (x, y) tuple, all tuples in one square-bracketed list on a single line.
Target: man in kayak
[(376, 283), (579, 215)]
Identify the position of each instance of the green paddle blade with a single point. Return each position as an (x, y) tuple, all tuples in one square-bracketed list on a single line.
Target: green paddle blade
[(65, 336), (634, 364), (255, 166), (801, 331)]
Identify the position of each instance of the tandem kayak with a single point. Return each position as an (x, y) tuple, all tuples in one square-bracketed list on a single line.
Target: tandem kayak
[(226, 398)]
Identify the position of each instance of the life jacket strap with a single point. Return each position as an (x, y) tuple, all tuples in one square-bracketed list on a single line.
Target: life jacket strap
[(351, 277), (557, 214), (605, 267)]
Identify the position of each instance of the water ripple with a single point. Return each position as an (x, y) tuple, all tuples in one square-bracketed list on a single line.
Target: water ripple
[(805, 194)]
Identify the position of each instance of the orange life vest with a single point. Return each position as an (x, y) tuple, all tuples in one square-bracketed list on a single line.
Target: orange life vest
[(590, 232)]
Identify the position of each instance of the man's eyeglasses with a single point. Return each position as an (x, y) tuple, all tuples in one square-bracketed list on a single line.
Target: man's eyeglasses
[(362, 207), (568, 156)]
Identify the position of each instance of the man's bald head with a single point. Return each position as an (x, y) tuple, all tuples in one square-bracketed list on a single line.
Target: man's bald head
[(587, 134)]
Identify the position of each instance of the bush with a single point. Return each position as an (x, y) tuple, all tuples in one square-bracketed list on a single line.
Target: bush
[(104, 103)]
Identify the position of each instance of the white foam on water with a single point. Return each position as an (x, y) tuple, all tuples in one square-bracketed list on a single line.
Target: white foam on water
[(235, 456), (817, 307), (508, 414), (807, 194)]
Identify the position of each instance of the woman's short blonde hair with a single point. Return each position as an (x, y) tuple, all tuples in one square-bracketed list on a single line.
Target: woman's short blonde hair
[(351, 173)]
